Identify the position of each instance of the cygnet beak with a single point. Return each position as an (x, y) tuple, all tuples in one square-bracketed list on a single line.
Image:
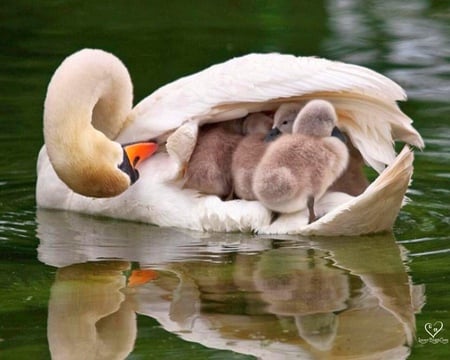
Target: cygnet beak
[(272, 134), (134, 154), (337, 133)]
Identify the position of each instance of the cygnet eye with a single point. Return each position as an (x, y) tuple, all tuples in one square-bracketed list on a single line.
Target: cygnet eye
[(285, 122)]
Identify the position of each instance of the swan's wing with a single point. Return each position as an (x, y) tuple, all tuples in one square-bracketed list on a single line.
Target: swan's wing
[(376, 209), (365, 99)]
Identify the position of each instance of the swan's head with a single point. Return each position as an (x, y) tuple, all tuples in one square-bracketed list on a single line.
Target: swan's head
[(133, 155), (87, 104), (283, 120), (317, 118), (102, 168)]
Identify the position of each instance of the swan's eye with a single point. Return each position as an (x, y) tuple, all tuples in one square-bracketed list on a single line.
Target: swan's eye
[(285, 122)]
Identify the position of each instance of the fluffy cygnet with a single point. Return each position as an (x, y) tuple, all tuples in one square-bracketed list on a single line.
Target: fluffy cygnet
[(299, 167), (248, 153), (209, 168), (353, 180)]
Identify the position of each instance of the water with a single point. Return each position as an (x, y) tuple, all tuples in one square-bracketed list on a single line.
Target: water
[(221, 296)]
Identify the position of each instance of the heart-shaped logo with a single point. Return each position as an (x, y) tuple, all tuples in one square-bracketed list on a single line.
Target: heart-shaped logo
[(434, 329)]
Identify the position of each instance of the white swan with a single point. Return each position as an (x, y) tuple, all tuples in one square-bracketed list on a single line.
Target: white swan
[(365, 102)]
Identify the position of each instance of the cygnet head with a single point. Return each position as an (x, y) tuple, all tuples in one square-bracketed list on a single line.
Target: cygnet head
[(317, 118), (257, 123), (283, 120), (285, 116)]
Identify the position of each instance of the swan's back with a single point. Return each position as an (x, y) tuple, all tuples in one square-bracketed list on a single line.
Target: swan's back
[(364, 99)]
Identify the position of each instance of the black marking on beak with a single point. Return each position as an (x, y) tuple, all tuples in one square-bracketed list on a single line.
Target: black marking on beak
[(128, 168), (272, 134), (340, 135)]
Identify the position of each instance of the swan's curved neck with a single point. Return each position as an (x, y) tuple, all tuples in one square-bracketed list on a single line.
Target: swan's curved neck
[(89, 87), (88, 100)]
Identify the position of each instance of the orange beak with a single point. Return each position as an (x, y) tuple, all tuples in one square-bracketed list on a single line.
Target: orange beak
[(139, 151)]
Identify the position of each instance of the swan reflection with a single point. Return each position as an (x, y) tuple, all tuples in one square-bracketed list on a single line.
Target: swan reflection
[(272, 298), (89, 316)]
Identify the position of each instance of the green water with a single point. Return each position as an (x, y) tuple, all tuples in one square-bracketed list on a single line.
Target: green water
[(221, 296)]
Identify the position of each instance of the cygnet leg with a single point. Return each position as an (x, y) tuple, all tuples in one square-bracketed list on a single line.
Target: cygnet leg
[(274, 216), (310, 205)]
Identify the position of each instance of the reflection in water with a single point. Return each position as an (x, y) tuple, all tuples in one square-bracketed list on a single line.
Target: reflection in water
[(305, 288), (293, 298), (89, 317)]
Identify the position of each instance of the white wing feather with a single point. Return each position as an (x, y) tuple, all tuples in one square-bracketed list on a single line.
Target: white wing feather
[(258, 82)]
